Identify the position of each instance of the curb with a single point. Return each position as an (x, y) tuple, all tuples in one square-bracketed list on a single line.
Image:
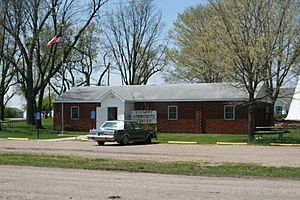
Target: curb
[(286, 145), (59, 139), (21, 139), (232, 143), (181, 142)]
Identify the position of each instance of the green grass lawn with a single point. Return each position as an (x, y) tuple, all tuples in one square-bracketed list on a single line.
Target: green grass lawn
[(201, 138), (289, 138), (187, 168), (21, 130)]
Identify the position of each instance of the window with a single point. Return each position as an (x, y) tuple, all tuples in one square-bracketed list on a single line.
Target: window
[(134, 125), (74, 112), (172, 113), (112, 125), (278, 110), (229, 112), (112, 113), (127, 126)]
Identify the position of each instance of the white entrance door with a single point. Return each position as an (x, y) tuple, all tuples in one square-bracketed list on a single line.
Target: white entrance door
[(101, 116)]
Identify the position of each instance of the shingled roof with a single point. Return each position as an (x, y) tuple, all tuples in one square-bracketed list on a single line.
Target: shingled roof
[(286, 95), (164, 92)]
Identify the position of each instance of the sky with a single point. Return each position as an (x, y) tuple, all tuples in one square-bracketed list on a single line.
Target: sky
[(170, 10)]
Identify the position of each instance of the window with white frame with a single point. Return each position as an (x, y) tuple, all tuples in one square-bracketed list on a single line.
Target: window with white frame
[(229, 112), (74, 112), (278, 110), (172, 112)]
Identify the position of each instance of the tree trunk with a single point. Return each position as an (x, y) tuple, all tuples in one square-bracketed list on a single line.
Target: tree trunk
[(272, 120), (50, 102), (251, 122), (87, 79), (30, 109), (1, 110)]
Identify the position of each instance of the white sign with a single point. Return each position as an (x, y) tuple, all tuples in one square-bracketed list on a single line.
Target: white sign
[(144, 116)]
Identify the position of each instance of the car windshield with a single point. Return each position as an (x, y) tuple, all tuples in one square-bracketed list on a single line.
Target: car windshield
[(112, 125)]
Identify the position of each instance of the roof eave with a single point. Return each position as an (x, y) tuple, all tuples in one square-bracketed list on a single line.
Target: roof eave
[(114, 93), (189, 100), (68, 101)]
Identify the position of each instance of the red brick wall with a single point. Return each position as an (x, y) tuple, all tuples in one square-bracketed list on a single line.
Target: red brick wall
[(215, 122), (186, 116), (193, 117), (202, 117), (84, 123)]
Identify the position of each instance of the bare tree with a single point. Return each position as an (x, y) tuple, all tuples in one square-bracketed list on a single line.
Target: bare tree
[(242, 30), (283, 31), (84, 62), (8, 59), (134, 39), (251, 41), (107, 66), (29, 23)]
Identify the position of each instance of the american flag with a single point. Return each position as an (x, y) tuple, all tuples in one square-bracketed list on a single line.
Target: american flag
[(55, 40)]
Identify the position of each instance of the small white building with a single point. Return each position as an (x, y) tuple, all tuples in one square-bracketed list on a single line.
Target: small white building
[(283, 102)]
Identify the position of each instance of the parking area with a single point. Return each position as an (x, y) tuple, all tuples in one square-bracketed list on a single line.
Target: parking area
[(264, 155)]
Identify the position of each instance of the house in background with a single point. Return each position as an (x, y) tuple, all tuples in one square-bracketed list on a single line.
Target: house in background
[(283, 102), (180, 108), (19, 113), (11, 112)]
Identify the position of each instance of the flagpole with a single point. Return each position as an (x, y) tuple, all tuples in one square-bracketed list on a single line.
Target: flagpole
[(62, 99), (62, 85), (53, 41)]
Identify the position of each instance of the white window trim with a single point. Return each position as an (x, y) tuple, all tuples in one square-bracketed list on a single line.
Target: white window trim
[(226, 106), (176, 112), (72, 112)]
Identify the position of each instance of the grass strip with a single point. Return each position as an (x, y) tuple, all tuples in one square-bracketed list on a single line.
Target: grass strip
[(21, 130), (290, 138), (185, 168)]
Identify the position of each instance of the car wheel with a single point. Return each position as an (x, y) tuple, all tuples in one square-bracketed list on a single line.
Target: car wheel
[(125, 140), (148, 140), (101, 143)]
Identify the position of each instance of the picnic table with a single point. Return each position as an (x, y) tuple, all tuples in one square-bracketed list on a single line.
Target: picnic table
[(269, 130)]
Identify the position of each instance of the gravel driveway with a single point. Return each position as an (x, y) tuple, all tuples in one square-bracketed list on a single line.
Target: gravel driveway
[(264, 155), (53, 183)]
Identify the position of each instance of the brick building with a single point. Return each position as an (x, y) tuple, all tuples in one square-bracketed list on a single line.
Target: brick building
[(181, 108)]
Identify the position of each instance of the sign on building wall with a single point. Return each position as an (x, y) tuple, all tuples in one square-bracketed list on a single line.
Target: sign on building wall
[(93, 114), (144, 116)]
